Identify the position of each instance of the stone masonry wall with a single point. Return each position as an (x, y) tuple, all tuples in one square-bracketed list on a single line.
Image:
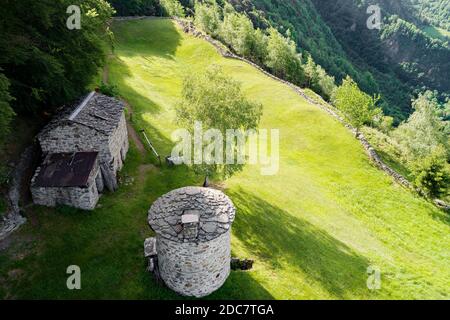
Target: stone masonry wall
[(118, 145), (192, 269), (82, 198), (73, 137)]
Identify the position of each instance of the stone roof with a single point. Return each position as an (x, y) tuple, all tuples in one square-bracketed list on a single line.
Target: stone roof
[(66, 169), (211, 209), (96, 111)]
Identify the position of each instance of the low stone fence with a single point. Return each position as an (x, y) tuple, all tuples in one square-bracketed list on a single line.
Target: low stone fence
[(189, 27)]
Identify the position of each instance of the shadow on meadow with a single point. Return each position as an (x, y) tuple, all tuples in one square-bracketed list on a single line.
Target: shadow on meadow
[(142, 40), (278, 238)]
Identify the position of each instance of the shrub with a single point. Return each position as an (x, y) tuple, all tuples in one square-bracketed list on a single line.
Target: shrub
[(172, 8), (282, 58), (108, 89), (208, 17), (136, 7), (6, 113), (432, 174), (424, 130), (357, 106)]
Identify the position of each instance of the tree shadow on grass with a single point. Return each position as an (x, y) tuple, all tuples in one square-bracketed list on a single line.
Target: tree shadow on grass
[(276, 237), (150, 37)]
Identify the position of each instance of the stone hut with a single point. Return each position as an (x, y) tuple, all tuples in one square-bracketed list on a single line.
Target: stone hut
[(84, 147), (193, 227)]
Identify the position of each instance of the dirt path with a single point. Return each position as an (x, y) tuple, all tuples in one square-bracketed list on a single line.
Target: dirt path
[(135, 137), (106, 74), (131, 131)]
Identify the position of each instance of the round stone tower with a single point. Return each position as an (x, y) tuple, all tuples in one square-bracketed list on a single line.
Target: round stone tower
[(193, 228)]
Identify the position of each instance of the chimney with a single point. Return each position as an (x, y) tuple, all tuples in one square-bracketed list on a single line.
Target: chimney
[(190, 221)]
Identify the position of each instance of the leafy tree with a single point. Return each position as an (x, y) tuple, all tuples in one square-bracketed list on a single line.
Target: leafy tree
[(282, 57), (310, 72), (172, 8), (136, 7), (48, 64), (6, 113), (237, 31), (424, 131), (109, 89), (208, 17), (325, 83), (358, 107), (432, 174), (318, 79), (216, 101), (382, 122)]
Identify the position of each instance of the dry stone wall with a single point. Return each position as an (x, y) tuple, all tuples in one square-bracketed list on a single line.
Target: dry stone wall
[(118, 145), (189, 27), (194, 269), (82, 198)]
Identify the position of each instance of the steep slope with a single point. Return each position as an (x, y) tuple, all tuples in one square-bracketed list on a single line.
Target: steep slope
[(400, 49), (316, 226), (396, 61), (313, 229)]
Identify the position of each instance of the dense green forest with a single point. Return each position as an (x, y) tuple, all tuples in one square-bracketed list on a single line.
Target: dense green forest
[(398, 61)]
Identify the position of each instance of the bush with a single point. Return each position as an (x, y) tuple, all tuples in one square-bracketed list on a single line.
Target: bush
[(136, 7), (424, 131), (6, 113), (318, 80), (208, 18), (108, 89), (172, 8), (432, 174), (357, 106), (282, 58)]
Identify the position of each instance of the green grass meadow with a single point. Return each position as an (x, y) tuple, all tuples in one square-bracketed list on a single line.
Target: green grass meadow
[(313, 229)]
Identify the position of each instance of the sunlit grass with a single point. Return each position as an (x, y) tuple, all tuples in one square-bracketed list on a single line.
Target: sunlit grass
[(312, 229)]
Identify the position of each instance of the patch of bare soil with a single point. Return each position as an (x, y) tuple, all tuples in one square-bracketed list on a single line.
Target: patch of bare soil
[(218, 186), (135, 137)]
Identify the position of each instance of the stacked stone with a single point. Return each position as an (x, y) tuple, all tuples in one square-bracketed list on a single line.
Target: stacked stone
[(84, 198), (96, 123), (193, 239)]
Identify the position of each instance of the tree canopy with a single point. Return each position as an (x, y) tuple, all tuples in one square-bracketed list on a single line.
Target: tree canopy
[(47, 63), (358, 107), (218, 102)]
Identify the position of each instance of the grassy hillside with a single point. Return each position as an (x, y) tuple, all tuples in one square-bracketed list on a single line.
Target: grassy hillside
[(313, 229)]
